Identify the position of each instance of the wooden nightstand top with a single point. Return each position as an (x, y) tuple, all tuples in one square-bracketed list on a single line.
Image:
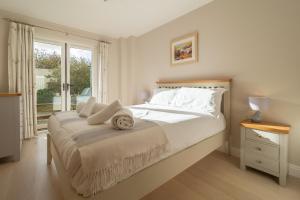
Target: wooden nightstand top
[(267, 126)]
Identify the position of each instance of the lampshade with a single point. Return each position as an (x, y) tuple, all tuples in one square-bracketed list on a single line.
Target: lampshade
[(143, 95), (259, 103)]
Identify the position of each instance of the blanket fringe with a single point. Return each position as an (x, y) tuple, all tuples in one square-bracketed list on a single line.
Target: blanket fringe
[(104, 178)]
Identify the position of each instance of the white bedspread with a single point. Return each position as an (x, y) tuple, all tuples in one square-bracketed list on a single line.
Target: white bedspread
[(182, 130)]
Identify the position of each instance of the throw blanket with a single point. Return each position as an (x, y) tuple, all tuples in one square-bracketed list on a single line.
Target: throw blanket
[(107, 156), (123, 119)]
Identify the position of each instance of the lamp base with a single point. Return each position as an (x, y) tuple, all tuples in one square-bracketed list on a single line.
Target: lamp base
[(256, 117)]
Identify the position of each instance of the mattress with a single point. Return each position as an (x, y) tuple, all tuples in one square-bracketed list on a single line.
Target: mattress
[(182, 130)]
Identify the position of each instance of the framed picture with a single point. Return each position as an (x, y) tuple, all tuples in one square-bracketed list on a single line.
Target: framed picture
[(184, 49)]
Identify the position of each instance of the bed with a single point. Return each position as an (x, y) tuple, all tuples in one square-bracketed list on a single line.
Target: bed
[(184, 151)]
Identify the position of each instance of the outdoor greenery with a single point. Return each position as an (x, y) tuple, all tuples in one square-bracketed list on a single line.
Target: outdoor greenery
[(80, 75), (79, 71)]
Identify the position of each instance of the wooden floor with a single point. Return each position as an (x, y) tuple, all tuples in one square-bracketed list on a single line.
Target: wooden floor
[(215, 177)]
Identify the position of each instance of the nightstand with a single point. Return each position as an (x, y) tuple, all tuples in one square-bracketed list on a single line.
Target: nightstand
[(264, 146)]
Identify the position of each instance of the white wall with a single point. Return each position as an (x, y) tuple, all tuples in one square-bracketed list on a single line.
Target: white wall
[(256, 43), (127, 69)]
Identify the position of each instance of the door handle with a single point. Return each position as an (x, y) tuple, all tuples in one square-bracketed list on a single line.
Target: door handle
[(64, 87), (69, 85)]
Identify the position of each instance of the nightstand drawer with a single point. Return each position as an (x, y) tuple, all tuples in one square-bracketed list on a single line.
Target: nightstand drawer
[(269, 151), (262, 163), (262, 136)]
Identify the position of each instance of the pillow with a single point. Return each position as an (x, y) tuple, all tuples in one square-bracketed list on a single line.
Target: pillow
[(199, 100), (98, 106), (88, 107), (218, 96), (163, 98), (105, 114), (158, 90), (79, 106)]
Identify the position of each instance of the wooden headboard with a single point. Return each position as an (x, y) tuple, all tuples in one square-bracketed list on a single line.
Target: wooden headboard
[(211, 83)]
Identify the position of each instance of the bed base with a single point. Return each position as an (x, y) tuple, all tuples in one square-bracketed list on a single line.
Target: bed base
[(148, 179)]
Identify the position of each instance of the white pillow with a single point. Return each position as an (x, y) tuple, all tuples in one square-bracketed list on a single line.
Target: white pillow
[(158, 90), (163, 98), (87, 109), (218, 96), (199, 100)]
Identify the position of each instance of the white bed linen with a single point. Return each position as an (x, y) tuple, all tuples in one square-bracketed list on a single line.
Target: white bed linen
[(182, 129)]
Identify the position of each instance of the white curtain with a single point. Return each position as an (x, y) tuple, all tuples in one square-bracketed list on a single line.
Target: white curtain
[(21, 75), (103, 62)]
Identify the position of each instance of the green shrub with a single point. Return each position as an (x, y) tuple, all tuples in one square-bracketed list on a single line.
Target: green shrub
[(45, 96)]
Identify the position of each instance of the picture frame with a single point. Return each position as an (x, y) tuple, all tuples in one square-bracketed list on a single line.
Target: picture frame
[(184, 49)]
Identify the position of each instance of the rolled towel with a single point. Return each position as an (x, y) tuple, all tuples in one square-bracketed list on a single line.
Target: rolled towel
[(105, 114), (87, 109), (123, 119)]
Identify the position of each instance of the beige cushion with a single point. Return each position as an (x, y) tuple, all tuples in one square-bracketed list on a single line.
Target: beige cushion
[(98, 107), (105, 114), (87, 109), (79, 106)]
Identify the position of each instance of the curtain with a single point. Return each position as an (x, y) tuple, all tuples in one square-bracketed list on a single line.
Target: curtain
[(103, 62), (21, 75)]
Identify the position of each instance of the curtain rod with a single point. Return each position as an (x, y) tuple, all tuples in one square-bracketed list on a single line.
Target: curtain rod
[(56, 30)]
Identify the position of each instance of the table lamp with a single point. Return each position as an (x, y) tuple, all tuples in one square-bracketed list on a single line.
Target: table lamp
[(258, 104), (143, 95)]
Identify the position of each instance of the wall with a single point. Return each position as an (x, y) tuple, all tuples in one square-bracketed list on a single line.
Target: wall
[(127, 69), (256, 43), (113, 71)]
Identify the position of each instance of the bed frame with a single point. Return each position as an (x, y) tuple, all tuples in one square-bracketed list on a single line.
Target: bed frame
[(150, 178)]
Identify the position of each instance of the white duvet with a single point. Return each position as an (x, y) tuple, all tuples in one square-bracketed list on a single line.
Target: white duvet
[(183, 128)]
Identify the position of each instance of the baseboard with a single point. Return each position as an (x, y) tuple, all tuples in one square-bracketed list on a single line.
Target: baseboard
[(235, 152), (294, 170), (223, 148)]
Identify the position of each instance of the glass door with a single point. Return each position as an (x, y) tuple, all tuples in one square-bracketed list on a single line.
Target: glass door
[(63, 78), (80, 75), (49, 64)]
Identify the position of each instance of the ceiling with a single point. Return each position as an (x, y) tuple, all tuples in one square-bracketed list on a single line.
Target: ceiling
[(114, 18)]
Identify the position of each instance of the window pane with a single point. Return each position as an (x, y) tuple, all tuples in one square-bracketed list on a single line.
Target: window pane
[(80, 75), (48, 80)]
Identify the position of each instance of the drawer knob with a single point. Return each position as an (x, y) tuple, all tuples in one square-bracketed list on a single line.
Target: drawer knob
[(258, 149), (259, 161)]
